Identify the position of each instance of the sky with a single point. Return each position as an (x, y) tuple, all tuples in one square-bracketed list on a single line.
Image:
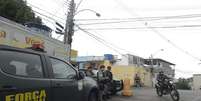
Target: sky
[(141, 42)]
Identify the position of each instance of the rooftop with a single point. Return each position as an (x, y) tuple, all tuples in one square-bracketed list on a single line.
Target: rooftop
[(157, 59)]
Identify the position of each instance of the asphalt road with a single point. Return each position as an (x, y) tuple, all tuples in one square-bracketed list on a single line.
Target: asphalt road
[(149, 94)]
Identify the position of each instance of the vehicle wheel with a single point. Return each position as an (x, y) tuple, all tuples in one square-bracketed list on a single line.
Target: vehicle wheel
[(159, 92), (175, 95), (93, 96), (114, 93)]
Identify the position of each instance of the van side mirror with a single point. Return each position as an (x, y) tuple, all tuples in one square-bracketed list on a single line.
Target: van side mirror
[(81, 75)]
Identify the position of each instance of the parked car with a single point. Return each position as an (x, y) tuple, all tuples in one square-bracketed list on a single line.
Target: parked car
[(27, 75)]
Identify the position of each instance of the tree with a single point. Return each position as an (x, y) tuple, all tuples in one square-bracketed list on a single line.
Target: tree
[(17, 10), (183, 84)]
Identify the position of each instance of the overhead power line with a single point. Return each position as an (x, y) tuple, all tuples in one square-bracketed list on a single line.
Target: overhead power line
[(145, 18), (175, 45), (98, 39), (78, 5), (48, 17), (58, 2), (46, 11), (114, 22), (158, 33), (113, 45), (134, 28), (99, 23)]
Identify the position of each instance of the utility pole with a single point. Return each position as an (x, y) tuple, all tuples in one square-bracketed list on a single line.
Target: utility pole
[(152, 70), (69, 28)]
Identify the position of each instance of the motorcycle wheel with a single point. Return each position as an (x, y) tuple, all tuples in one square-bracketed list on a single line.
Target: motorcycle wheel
[(159, 92), (174, 95)]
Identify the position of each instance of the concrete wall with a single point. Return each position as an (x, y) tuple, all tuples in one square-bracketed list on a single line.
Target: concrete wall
[(122, 72), (196, 82)]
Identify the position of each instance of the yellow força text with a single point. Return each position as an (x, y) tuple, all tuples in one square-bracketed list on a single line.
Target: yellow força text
[(2, 34), (28, 96)]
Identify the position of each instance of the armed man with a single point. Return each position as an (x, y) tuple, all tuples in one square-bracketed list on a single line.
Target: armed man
[(137, 80), (102, 80), (89, 72), (109, 83)]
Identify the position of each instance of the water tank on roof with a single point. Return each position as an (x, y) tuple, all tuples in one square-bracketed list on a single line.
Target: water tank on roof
[(108, 57)]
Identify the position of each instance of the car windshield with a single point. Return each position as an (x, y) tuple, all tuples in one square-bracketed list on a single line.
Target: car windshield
[(149, 49)]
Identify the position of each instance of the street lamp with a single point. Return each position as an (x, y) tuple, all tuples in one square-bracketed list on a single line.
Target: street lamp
[(97, 14), (156, 52), (151, 56)]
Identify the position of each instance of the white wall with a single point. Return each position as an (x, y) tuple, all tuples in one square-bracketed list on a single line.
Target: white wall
[(123, 61), (196, 81)]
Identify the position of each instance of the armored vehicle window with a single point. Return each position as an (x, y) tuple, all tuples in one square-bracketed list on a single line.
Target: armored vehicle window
[(62, 70), (21, 64)]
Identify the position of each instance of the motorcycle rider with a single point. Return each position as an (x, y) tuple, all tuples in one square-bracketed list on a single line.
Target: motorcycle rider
[(164, 86), (161, 77)]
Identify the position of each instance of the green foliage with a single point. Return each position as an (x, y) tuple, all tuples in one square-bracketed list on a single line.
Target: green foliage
[(183, 84), (17, 10)]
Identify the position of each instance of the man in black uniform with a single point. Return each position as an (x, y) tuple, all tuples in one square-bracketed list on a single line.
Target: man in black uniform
[(161, 77), (89, 72), (109, 83), (102, 80), (137, 80)]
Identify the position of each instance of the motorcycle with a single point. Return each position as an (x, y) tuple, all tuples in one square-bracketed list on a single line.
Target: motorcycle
[(167, 87)]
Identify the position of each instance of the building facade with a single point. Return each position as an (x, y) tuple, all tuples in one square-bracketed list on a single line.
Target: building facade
[(158, 65), (17, 35), (130, 60), (131, 65)]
